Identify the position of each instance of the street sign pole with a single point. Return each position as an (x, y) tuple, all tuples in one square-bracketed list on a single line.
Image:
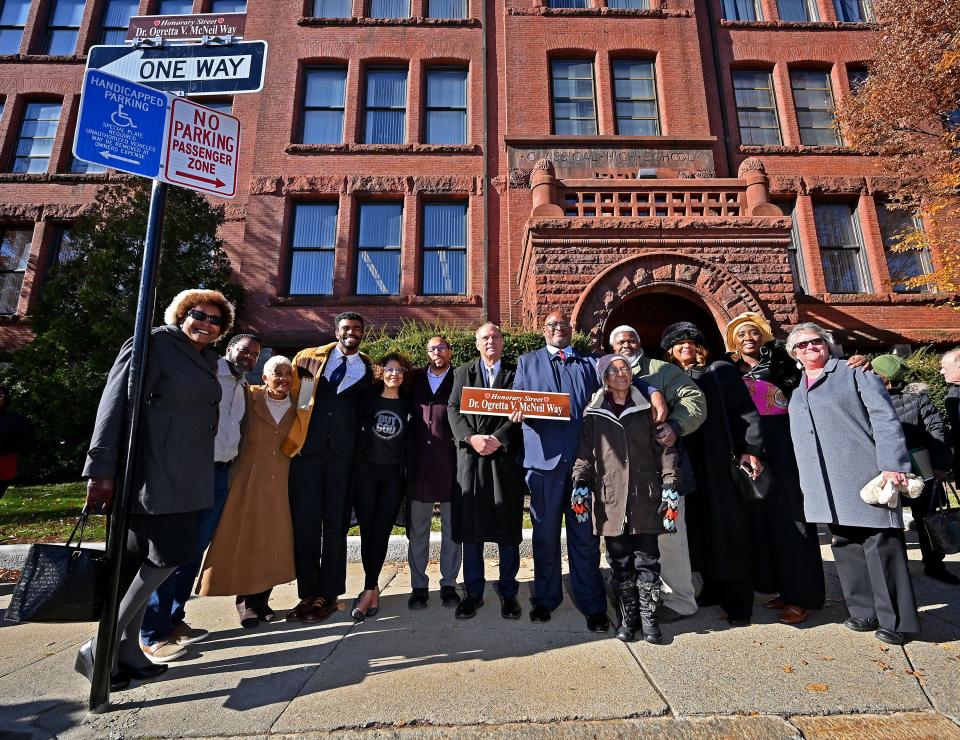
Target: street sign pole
[(107, 632)]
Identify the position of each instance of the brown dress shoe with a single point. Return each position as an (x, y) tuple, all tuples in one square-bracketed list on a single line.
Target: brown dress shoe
[(321, 609), (300, 609)]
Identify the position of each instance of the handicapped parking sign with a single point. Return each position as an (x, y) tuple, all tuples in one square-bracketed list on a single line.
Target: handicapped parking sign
[(121, 124)]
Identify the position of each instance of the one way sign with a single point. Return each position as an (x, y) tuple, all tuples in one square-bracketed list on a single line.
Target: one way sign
[(188, 70)]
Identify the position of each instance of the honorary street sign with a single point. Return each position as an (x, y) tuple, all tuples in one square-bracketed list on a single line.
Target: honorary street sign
[(497, 402), (186, 27), (121, 124), (188, 69), (202, 147)]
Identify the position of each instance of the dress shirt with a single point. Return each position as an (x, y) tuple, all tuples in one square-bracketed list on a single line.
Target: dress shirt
[(487, 370), (233, 403), (355, 368), (436, 380)]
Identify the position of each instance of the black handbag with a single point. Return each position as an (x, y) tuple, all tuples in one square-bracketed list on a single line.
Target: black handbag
[(943, 523), (60, 583), (752, 490)]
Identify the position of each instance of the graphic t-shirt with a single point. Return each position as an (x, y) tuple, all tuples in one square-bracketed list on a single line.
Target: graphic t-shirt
[(385, 430)]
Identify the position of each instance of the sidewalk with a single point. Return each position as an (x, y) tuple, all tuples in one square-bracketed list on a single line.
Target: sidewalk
[(405, 674)]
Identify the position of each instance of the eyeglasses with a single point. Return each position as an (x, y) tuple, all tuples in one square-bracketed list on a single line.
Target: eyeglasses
[(197, 315), (818, 342), (619, 371), (397, 370), (438, 348), (557, 325)]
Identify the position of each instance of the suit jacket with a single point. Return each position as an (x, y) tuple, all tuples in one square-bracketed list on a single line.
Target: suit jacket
[(488, 499), (433, 468), (548, 443), (953, 419)]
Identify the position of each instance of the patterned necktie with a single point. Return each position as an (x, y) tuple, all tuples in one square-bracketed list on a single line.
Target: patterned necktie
[(491, 377), (563, 356), (339, 373)]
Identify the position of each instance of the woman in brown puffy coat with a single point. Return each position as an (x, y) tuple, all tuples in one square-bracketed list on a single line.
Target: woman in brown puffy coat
[(632, 481)]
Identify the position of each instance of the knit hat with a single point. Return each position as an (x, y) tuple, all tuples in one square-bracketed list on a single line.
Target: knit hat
[(622, 328), (680, 331), (753, 319), (604, 362), (890, 367)]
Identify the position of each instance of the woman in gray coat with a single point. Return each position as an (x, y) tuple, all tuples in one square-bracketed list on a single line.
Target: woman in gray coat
[(845, 433), (174, 467)]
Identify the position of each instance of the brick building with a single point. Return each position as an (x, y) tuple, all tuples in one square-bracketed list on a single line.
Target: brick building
[(638, 161)]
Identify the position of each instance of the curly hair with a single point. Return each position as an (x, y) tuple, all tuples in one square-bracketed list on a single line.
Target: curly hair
[(185, 300), (702, 354), (397, 357)]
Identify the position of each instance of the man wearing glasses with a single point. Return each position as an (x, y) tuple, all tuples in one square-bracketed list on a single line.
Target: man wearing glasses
[(433, 476)]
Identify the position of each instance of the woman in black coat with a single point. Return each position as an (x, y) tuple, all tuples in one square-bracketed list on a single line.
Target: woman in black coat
[(16, 437), (718, 524), (174, 468)]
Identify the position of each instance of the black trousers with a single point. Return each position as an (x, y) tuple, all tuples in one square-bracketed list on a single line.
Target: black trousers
[(872, 565), (920, 507), (634, 556), (320, 509), (377, 500)]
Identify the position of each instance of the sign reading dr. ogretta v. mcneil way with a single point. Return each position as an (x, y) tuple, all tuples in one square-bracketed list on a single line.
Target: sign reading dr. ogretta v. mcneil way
[(499, 402)]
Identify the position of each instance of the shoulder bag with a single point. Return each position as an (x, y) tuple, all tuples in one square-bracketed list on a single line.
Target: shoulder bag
[(943, 523)]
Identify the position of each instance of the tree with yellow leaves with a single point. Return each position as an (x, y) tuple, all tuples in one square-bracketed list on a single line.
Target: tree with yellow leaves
[(908, 111)]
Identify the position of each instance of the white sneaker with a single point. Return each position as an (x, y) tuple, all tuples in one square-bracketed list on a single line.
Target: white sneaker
[(163, 651), (183, 634)]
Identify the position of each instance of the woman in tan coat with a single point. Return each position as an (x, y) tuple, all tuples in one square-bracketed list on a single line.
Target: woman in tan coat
[(252, 549)]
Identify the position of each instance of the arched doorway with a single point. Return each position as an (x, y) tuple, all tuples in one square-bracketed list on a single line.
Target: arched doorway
[(650, 312)]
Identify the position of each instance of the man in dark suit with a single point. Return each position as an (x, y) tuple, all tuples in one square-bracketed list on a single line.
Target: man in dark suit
[(433, 467), (488, 499), (328, 385), (550, 448), (950, 370)]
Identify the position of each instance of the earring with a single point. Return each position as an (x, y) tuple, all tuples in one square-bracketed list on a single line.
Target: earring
[(799, 365)]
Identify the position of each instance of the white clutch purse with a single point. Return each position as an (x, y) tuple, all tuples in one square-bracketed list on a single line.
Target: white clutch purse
[(887, 494)]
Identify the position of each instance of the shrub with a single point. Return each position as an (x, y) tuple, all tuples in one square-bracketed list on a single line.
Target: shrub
[(924, 367)]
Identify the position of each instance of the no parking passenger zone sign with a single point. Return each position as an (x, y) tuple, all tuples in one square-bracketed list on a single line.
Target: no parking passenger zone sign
[(201, 150)]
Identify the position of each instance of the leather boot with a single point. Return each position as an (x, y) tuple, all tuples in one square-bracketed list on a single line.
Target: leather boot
[(629, 606), (649, 597)]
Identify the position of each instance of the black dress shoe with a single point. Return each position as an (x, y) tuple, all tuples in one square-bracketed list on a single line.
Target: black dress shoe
[(860, 624), (598, 622), (418, 598), (449, 597), (940, 573), (890, 637), (84, 666), (144, 673), (510, 608), (539, 613), (467, 608)]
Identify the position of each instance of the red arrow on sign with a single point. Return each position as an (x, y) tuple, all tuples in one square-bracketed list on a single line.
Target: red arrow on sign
[(217, 183)]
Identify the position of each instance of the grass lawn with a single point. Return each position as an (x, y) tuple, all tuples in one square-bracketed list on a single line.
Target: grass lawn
[(47, 513)]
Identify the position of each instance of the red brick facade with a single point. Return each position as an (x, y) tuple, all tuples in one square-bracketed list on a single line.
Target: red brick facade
[(580, 232)]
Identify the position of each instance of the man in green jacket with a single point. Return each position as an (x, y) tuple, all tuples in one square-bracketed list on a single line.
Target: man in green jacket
[(688, 409)]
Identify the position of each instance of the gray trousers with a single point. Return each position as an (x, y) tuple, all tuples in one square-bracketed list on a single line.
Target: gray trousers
[(418, 553)]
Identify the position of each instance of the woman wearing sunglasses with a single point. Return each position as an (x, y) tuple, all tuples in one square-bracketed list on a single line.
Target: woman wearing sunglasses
[(174, 468), (845, 433)]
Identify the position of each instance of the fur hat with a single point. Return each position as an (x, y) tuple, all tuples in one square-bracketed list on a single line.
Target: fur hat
[(680, 331)]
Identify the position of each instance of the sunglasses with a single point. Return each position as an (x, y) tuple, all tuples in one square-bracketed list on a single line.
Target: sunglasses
[(197, 315), (818, 342), (394, 370)]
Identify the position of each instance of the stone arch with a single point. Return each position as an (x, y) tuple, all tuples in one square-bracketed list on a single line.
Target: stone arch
[(724, 295)]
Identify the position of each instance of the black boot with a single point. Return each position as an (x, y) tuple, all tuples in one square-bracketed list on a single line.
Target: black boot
[(649, 597), (629, 606)]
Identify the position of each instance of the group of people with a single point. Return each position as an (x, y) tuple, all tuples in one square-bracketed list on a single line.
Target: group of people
[(249, 487)]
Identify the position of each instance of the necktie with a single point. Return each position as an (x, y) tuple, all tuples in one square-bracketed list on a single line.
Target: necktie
[(562, 355), (337, 376), (491, 377)]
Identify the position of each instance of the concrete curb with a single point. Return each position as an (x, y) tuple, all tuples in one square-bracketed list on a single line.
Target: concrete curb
[(13, 556)]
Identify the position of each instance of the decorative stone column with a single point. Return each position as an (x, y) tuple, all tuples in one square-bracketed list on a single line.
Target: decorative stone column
[(543, 182), (753, 173)]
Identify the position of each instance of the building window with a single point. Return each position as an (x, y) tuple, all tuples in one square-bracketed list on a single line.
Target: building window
[(841, 248), (756, 107), (797, 10), (795, 249), (116, 18), (80, 167), (385, 120), (629, 4), (332, 8), (378, 248), (569, 4), (175, 7), (312, 248), (64, 26), (64, 250), (742, 10), (14, 253), (857, 77), (389, 8), (444, 248), (635, 97), (813, 99), (854, 11), (220, 106), (228, 6), (574, 108), (323, 101), (894, 225), (446, 8), (446, 106), (13, 17), (37, 133)]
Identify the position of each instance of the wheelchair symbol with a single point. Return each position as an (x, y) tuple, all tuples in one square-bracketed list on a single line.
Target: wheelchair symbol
[(121, 119)]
